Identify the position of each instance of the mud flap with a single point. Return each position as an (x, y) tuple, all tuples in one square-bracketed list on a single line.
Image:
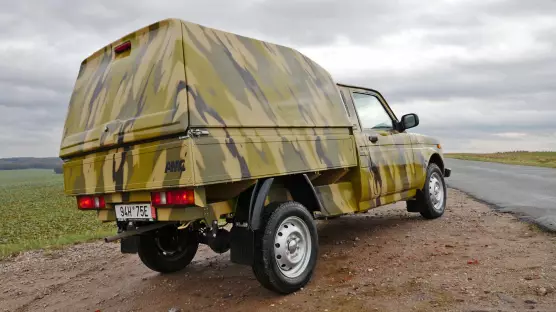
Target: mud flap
[(412, 206), (129, 244), (242, 245)]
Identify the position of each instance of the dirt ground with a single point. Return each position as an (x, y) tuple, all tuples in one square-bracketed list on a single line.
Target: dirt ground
[(471, 259)]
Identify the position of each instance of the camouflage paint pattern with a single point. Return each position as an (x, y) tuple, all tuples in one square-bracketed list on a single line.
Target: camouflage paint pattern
[(223, 156), (387, 199), (270, 111), (138, 167), (337, 199), (135, 95), (177, 71), (424, 147), (395, 164), (235, 81), (267, 110), (236, 154), (393, 159), (211, 212)]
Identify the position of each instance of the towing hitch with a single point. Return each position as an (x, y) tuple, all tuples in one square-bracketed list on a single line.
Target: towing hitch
[(136, 231)]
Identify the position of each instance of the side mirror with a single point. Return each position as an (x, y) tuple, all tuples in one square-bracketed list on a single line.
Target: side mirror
[(409, 121)]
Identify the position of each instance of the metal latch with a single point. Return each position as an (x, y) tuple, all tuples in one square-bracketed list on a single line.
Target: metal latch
[(198, 132)]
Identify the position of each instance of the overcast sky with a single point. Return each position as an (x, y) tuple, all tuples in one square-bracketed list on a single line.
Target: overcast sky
[(480, 74)]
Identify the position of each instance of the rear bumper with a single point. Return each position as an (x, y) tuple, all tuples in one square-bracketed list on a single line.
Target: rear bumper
[(447, 172)]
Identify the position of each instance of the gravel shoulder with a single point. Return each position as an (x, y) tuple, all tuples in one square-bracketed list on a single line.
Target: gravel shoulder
[(471, 259)]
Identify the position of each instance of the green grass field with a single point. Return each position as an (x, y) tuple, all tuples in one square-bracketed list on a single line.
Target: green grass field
[(34, 213), (539, 159)]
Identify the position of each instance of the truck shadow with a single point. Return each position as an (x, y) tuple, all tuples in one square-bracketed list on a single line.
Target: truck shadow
[(211, 280)]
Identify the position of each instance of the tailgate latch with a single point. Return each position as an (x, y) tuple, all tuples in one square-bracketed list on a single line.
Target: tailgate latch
[(198, 132)]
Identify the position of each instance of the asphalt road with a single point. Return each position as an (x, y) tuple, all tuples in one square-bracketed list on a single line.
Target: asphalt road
[(527, 191)]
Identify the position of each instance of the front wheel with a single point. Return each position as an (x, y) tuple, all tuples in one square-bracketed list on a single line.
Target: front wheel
[(286, 248), (432, 200), (168, 249)]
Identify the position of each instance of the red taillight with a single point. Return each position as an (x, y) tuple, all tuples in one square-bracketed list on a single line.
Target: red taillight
[(90, 202), (157, 200), (101, 202), (174, 197), (86, 202), (180, 197), (123, 47)]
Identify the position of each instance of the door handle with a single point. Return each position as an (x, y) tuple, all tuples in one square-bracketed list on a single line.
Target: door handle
[(373, 138)]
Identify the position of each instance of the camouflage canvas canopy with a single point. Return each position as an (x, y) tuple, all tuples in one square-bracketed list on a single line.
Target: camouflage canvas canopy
[(171, 75)]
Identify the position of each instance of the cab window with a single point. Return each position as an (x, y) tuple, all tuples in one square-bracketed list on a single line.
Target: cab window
[(371, 112)]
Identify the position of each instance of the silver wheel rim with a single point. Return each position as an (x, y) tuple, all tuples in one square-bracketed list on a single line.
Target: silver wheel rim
[(436, 192), (292, 247)]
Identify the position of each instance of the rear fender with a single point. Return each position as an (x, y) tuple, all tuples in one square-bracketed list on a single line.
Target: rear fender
[(300, 188), (250, 208)]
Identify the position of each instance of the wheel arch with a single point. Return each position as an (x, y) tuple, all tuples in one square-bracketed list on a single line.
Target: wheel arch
[(437, 159), (249, 208), (299, 186)]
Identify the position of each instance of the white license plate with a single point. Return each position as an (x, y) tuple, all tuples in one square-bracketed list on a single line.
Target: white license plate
[(134, 212)]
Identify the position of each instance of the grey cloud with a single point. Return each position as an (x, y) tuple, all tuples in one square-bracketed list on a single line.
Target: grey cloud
[(27, 97), (522, 8), (509, 87), (43, 43)]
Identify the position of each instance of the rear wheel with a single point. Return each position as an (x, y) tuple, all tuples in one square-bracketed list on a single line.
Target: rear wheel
[(168, 249), (286, 248)]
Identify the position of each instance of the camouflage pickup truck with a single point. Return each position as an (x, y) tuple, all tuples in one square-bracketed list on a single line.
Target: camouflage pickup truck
[(183, 135)]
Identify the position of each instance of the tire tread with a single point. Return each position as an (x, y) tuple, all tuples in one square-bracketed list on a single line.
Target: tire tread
[(263, 266), (150, 257), (427, 210)]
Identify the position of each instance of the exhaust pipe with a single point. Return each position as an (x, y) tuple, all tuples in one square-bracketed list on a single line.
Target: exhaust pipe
[(136, 231)]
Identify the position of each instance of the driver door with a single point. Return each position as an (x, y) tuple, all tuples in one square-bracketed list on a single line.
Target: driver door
[(390, 151)]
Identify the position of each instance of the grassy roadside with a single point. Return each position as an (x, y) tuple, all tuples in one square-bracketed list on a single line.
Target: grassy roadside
[(36, 214), (538, 159), (7, 250)]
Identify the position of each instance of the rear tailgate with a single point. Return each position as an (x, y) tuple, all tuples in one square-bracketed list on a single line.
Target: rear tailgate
[(131, 90), (146, 166)]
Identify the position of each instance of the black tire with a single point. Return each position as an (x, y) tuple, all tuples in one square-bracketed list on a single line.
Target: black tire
[(180, 247), (425, 202), (265, 266)]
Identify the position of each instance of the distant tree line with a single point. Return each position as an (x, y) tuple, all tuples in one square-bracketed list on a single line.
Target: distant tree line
[(15, 163)]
